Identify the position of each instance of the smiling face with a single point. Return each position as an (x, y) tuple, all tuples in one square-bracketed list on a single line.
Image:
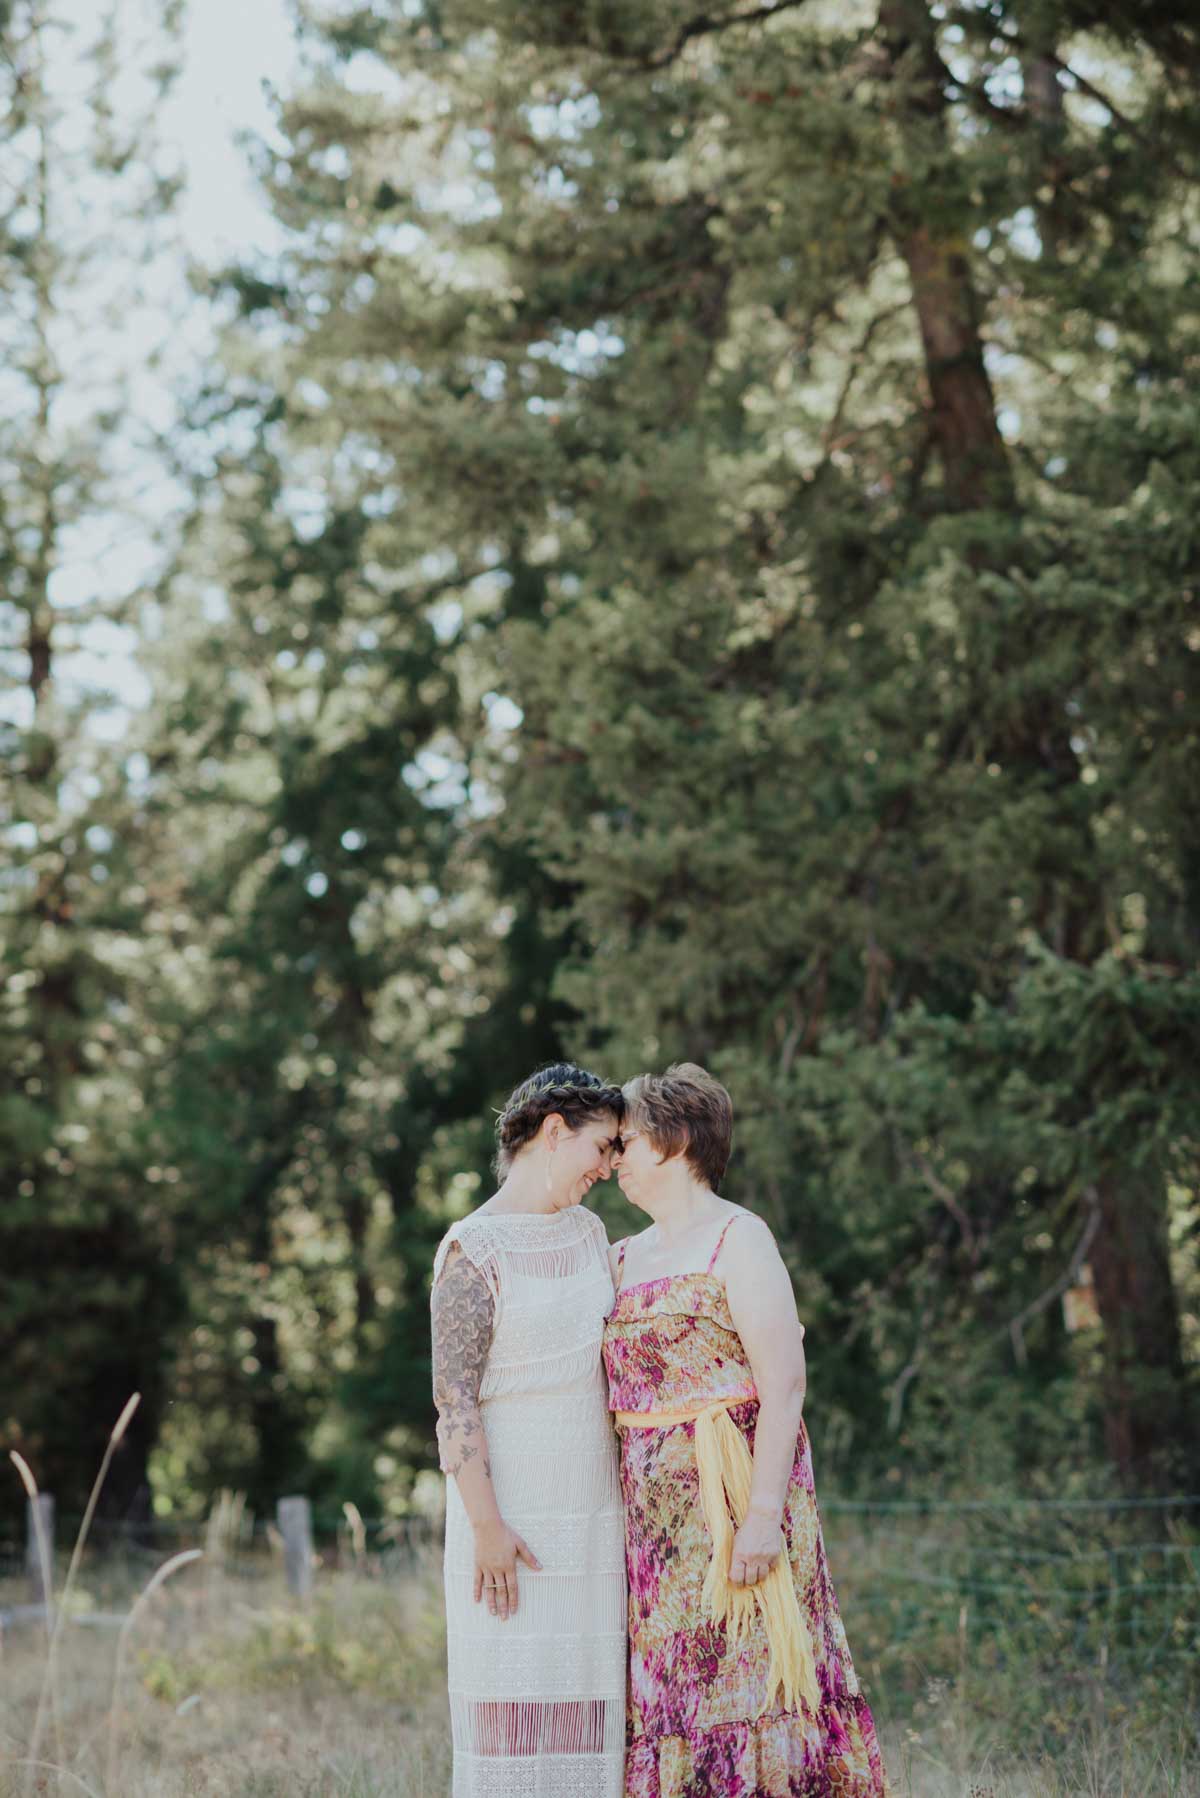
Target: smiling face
[(580, 1157), (637, 1165)]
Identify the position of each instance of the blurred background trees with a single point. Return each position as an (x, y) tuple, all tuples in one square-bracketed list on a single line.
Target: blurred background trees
[(693, 553), (91, 1282)]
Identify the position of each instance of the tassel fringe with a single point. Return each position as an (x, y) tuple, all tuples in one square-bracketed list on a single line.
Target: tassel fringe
[(726, 1470)]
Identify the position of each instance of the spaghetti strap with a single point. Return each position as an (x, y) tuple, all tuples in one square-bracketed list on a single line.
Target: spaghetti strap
[(720, 1240)]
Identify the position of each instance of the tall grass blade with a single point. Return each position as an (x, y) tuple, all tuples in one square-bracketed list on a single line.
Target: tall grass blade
[(49, 1692), (159, 1578), (53, 1617)]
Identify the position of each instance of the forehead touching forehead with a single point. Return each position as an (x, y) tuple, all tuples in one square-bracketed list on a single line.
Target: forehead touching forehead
[(638, 1114), (599, 1133), (604, 1130)]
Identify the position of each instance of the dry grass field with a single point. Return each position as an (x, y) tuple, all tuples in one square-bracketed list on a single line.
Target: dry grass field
[(231, 1690)]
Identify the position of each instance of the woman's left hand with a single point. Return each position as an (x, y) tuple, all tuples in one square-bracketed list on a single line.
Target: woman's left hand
[(756, 1548)]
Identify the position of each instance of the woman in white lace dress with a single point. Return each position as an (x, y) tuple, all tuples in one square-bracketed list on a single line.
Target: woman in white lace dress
[(535, 1555)]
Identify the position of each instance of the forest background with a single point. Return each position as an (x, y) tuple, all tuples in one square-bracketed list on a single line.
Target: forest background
[(685, 543)]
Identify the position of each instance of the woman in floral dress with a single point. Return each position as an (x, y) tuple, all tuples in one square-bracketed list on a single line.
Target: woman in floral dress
[(740, 1678)]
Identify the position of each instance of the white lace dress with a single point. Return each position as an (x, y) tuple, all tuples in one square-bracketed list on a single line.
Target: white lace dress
[(537, 1701)]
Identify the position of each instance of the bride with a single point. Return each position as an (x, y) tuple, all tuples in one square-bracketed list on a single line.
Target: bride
[(535, 1557)]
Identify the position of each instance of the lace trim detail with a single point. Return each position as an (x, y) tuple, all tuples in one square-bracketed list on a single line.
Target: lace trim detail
[(536, 1423), (514, 1228), (505, 1666), (534, 1261), (572, 1545), (558, 1370), (570, 1479), (545, 1776)]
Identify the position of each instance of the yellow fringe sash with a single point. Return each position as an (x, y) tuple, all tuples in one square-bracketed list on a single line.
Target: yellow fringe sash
[(725, 1466)]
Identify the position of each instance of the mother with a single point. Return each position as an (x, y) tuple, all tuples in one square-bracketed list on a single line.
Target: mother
[(740, 1678), (521, 1289)]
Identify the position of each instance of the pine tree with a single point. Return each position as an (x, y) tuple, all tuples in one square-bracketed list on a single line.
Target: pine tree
[(796, 366), (90, 1295), (343, 997)]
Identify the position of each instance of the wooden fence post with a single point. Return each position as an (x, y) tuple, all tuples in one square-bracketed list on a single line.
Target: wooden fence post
[(39, 1547), (294, 1516)]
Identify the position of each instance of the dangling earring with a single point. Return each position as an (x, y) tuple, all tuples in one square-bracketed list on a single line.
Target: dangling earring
[(549, 1182)]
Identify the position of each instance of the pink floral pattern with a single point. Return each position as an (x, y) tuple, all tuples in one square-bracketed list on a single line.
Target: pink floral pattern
[(693, 1724)]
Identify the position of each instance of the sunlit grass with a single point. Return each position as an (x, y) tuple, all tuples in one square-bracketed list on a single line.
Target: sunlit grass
[(1000, 1661), (221, 1686), (233, 1691)]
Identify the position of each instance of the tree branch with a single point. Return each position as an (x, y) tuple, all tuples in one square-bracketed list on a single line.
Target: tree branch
[(1093, 93), (1123, 119), (946, 1196), (855, 361), (1016, 1329), (1015, 118), (704, 25), (907, 1375)]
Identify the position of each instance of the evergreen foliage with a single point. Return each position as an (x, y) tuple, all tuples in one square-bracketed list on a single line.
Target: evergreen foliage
[(794, 376), (91, 1290), (693, 554)]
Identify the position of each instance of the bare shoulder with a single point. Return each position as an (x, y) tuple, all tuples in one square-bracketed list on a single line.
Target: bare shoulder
[(634, 1237), (752, 1238), (614, 1251), (753, 1220)]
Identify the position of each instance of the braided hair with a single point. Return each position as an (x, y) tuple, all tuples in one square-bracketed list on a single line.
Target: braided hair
[(575, 1094)]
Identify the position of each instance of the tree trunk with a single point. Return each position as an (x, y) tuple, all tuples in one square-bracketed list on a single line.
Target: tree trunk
[(1148, 1409), (1044, 103), (1145, 1392), (354, 1210), (276, 1407), (975, 465), (354, 1022)]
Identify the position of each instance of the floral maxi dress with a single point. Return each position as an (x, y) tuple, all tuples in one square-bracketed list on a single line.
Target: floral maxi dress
[(693, 1723)]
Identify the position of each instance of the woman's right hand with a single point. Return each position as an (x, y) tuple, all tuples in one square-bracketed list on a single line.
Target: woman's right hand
[(497, 1551)]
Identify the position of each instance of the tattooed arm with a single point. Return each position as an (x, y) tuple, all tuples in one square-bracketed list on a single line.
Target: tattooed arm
[(463, 1309), (463, 1312)]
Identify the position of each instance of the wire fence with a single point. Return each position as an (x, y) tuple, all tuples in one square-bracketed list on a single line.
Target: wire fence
[(1111, 1582), (1106, 1586)]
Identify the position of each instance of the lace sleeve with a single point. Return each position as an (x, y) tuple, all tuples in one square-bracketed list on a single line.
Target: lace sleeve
[(463, 1310)]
